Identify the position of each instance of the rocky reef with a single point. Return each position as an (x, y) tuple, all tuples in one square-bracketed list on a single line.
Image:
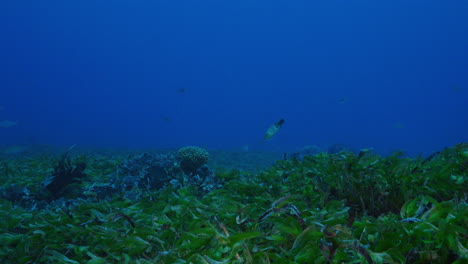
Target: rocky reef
[(133, 178)]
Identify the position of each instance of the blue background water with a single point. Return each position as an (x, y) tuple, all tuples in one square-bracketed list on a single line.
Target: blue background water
[(392, 75)]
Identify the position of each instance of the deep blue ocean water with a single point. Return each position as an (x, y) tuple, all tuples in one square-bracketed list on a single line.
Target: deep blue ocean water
[(388, 75)]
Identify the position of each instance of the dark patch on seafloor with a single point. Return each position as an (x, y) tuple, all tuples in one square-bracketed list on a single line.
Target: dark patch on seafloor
[(135, 176)]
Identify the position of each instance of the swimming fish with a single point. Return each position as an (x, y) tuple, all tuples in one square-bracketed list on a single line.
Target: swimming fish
[(8, 123), (273, 129), (166, 119), (181, 90)]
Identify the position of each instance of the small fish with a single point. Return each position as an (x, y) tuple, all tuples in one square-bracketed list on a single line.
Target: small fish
[(181, 90), (342, 100), (8, 123), (273, 129), (166, 119)]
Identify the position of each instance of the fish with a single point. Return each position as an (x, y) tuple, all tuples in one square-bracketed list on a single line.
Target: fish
[(181, 90), (166, 119), (8, 123), (273, 129)]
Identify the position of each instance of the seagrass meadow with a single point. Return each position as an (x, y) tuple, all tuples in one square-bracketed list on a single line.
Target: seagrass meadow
[(326, 208)]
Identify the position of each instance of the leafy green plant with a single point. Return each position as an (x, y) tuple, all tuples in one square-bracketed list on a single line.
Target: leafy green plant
[(340, 208)]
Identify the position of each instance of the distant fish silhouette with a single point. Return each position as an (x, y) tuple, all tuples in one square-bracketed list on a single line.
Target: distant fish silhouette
[(166, 119), (181, 90), (8, 123), (342, 100), (273, 129)]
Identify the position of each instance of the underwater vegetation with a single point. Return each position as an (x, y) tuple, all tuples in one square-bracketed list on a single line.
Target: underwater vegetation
[(65, 173), (340, 207)]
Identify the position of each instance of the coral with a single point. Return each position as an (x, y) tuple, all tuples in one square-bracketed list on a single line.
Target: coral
[(14, 193), (191, 158), (146, 171), (203, 179)]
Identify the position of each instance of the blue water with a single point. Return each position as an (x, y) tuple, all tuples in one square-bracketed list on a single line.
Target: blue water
[(388, 75)]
